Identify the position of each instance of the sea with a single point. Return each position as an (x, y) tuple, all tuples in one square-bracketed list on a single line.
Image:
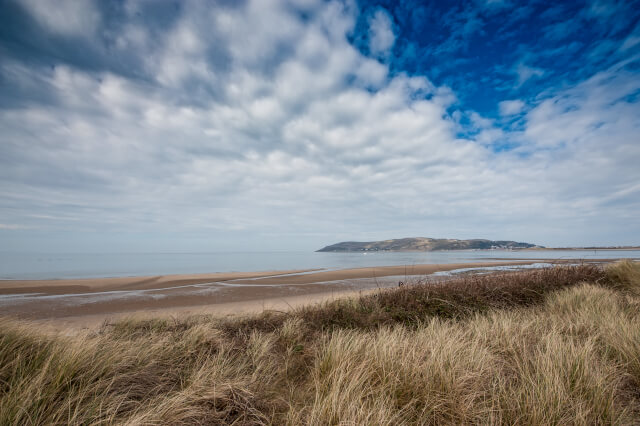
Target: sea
[(24, 266)]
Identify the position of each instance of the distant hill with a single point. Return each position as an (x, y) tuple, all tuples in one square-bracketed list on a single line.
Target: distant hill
[(425, 244)]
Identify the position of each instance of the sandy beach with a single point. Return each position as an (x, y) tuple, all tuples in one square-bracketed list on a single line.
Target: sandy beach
[(89, 302)]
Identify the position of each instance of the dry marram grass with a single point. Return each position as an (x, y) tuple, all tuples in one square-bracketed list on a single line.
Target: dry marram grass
[(558, 346)]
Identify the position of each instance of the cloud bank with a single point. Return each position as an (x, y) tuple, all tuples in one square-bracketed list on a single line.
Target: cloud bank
[(264, 125)]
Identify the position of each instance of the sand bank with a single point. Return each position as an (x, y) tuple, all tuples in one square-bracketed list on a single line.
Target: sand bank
[(87, 285)]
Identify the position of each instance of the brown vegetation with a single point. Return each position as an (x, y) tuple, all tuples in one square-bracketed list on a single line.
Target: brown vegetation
[(551, 346)]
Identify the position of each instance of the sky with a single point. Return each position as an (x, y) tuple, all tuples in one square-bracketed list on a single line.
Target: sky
[(142, 125)]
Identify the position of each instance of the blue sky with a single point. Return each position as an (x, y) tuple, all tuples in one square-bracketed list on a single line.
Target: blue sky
[(491, 51), (272, 125)]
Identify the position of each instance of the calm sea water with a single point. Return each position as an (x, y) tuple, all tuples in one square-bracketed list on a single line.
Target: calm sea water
[(83, 265)]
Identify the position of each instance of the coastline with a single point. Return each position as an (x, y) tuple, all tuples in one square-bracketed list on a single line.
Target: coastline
[(87, 303)]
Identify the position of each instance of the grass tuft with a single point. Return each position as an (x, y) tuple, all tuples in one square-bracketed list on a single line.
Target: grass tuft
[(552, 346), (625, 275)]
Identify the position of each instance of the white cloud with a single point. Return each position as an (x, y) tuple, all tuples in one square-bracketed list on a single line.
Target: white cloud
[(525, 72), (497, 3), (630, 42), (601, 9), (309, 137), (381, 37), (10, 226), (511, 107), (66, 17)]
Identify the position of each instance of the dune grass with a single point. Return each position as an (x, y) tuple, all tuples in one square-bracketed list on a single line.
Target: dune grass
[(552, 346)]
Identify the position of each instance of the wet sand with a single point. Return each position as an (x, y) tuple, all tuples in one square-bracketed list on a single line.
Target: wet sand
[(88, 285), (90, 302)]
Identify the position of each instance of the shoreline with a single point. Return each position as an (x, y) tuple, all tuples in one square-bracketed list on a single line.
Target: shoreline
[(623, 248), (87, 303), (62, 286)]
